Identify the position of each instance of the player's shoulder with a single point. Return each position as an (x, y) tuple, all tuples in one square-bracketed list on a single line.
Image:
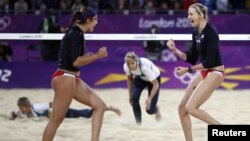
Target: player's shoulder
[(145, 60), (74, 32), (211, 28), (211, 31), (145, 63)]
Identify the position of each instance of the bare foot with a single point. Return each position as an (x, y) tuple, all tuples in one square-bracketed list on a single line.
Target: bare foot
[(115, 110), (158, 115), (139, 123)]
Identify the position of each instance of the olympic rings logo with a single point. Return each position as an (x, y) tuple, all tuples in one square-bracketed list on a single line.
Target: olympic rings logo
[(185, 78), (168, 56), (4, 22)]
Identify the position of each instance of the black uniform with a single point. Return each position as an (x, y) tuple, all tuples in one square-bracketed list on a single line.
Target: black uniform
[(72, 46), (205, 47)]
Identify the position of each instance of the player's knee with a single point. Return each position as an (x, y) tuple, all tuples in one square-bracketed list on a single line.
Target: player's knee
[(182, 109), (191, 109), (102, 107)]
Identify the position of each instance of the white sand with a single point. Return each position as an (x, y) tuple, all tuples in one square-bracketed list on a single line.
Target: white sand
[(229, 107)]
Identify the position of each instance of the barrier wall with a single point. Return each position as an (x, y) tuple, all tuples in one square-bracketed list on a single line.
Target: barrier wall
[(106, 74)]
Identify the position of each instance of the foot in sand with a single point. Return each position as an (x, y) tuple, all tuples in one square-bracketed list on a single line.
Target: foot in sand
[(115, 110), (158, 115)]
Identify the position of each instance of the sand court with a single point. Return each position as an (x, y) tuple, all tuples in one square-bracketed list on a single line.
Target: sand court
[(228, 106)]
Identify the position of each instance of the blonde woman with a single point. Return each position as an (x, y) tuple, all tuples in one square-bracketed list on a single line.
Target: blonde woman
[(142, 73), (205, 48)]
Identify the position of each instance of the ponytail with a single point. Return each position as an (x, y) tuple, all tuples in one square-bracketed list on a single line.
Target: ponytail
[(73, 19), (82, 15)]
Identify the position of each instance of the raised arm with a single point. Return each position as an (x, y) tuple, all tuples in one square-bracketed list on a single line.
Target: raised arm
[(90, 57), (172, 47)]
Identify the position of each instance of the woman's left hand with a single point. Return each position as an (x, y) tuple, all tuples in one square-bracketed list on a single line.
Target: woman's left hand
[(181, 70), (148, 103)]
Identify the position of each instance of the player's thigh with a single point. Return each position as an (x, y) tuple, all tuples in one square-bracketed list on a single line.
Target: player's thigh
[(86, 95), (64, 88), (205, 89), (190, 89)]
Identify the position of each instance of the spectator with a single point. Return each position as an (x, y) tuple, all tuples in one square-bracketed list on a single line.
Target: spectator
[(150, 8), (140, 2), (210, 4), (6, 8), (5, 52), (153, 48), (20, 7), (107, 4), (2, 2), (136, 4), (52, 4), (63, 6), (187, 3), (238, 5), (93, 4), (76, 6), (222, 5), (177, 5), (164, 6), (38, 6), (121, 4), (50, 48)]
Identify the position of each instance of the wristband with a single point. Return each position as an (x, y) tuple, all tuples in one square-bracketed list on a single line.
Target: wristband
[(190, 70)]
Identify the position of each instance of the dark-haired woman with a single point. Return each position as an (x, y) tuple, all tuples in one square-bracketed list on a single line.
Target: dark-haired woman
[(66, 81)]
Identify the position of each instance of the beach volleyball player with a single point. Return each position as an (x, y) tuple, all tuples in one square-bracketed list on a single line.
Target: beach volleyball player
[(66, 81), (205, 48)]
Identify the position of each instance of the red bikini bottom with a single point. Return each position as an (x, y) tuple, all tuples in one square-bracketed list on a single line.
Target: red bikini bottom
[(59, 73), (205, 72)]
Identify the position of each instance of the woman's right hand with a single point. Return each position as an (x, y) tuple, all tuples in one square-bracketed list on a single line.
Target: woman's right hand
[(12, 115), (171, 45), (181, 70), (102, 52)]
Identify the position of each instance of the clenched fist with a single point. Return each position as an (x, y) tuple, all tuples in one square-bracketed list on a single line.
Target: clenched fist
[(181, 70), (102, 52), (171, 45)]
